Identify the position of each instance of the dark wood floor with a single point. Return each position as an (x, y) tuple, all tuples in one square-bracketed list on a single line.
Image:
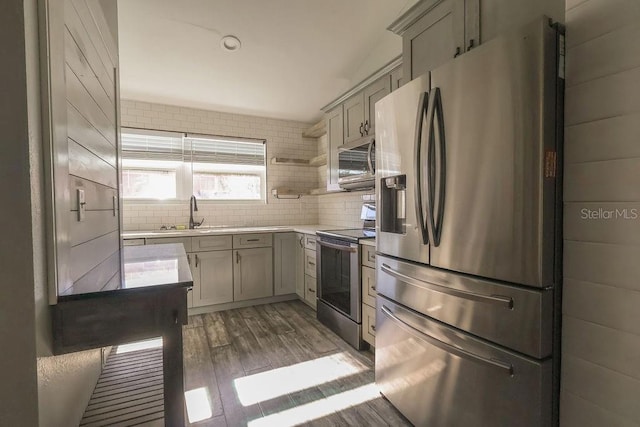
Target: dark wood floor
[(268, 365), (276, 365)]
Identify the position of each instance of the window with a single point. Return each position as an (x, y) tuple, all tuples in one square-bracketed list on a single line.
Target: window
[(173, 166)]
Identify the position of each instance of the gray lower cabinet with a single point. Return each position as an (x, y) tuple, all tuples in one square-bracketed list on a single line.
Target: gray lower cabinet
[(368, 278), (300, 265), (212, 277), (310, 291), (252, 273), (285, 268)]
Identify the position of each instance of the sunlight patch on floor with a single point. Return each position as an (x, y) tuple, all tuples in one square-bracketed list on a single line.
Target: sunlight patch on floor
[(139, 345), (319, 408), (281, 381), (198, 404)]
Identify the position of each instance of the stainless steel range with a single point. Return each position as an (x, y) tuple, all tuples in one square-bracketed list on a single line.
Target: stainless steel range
[(338, 273)]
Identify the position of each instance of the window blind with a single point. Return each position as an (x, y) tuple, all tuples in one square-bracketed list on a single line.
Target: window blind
[(224, 150), (142, 144)]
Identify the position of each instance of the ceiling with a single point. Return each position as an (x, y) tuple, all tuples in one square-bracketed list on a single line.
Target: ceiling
[(296, 55)]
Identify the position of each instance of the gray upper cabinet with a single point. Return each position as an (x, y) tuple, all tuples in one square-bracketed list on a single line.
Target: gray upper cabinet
[(397, 78), (372, 94), (353, 118), (359, 110), (335, 138), (352, 115), (435, 31)]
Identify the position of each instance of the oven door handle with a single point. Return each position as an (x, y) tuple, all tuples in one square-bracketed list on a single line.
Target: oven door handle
[(339, 247)]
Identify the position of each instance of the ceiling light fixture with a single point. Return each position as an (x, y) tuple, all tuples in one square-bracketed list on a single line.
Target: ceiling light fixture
[(230, 43)]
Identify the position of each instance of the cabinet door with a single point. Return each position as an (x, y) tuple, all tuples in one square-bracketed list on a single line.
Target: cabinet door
[(252, 273), (369, 324), (434, 39), (285, 252), (397, 79), (300, 265), (372, 94), (310, 262), (354, 109), (212, 278), (196, 277), (335, 138)]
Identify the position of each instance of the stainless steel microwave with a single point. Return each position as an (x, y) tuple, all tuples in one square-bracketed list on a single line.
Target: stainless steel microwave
[(357, 164)]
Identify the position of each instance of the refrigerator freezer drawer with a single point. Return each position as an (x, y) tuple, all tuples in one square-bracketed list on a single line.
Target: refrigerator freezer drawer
[(438, 376), (515, 317)]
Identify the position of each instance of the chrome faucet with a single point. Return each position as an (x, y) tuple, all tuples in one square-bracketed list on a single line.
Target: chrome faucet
[(193, 206)]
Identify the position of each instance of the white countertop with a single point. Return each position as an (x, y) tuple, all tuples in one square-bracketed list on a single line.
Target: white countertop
[(218, 230)]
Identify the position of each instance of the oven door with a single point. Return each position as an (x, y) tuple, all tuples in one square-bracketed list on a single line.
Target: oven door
[(338, 276)]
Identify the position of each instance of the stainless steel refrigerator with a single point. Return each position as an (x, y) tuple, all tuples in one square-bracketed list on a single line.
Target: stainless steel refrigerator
[(469, 236)]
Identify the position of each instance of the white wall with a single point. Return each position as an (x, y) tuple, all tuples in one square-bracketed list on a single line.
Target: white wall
[(284, 139), (601, 310)]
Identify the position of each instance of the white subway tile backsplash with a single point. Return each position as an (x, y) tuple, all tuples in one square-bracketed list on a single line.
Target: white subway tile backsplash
[(284, 139)]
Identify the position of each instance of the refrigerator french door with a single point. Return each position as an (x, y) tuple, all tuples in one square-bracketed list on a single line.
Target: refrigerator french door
[(468, 236), (467, 162)]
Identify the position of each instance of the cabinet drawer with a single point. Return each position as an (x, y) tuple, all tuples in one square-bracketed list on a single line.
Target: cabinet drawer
[(186, 241), (368, 276), (369, 256), (310, 241), (211, 243), (133, 242), (259, 240), (310, 262), (310, 290), (369, 324)]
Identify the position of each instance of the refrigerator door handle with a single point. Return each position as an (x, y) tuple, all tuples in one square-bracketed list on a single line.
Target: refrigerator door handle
[(422, 104), (369, 158), (492, 363), (505, 302), (432, 169), (436, 162)]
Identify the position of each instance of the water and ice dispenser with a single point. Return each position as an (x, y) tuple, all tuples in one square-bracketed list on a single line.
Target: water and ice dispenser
[(393, 215)]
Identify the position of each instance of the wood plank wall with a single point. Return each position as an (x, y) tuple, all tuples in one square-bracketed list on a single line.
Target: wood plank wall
[(601, 307), (91, 61)]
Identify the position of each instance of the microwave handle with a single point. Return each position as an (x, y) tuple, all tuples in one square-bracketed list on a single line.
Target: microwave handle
[(371, 144)]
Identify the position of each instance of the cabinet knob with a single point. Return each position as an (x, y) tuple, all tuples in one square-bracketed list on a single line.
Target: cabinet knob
[(197, 260), (457, 52), (366, 127), (361, 129)]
